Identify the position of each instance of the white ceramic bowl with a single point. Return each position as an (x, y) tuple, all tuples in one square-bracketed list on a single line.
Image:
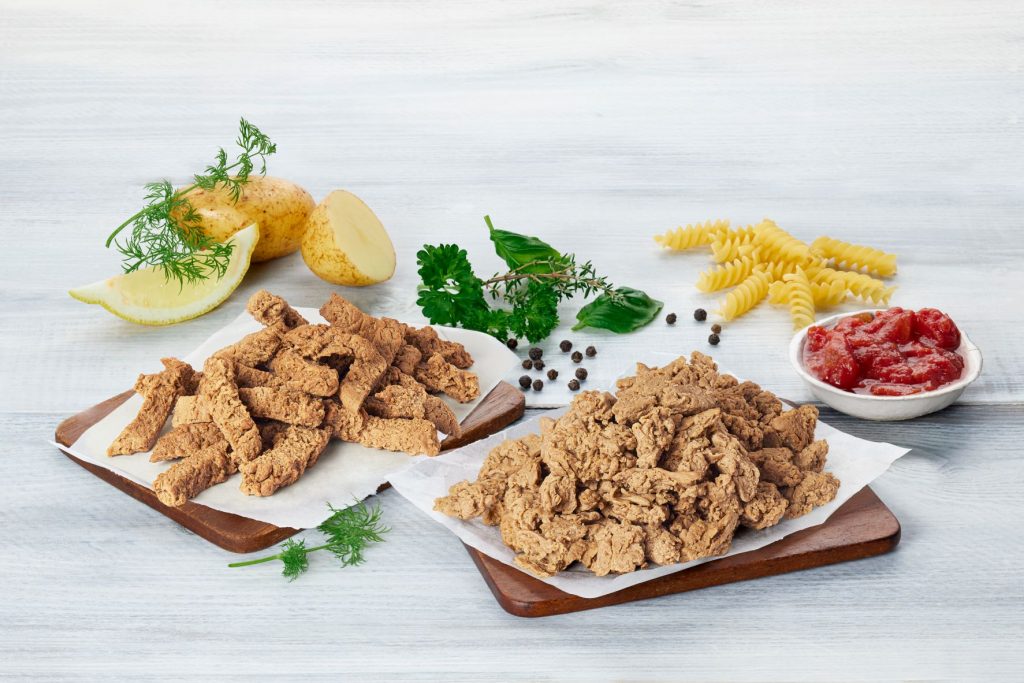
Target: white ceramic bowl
[(870, 407)]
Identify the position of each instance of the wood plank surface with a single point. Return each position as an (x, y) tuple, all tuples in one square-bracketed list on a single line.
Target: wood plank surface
[(501, 407), (593, 124), (862, 527)]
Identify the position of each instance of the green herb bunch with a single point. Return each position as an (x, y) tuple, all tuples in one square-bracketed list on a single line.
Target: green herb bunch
[(167, 232), (348, 532), (538, 279)]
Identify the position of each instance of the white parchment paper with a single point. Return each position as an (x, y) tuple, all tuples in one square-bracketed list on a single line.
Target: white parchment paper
[(345, 472), (856, 462)]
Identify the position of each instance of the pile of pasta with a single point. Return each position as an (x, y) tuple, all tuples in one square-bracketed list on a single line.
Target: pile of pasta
[(764, 261)]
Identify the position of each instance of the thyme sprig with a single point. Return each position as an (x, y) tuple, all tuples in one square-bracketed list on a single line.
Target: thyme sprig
[(167, 232), (349, 532)]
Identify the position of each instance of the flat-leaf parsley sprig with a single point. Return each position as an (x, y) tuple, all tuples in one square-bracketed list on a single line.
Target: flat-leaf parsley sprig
[(539, 277), (348, 532), (167, 232)]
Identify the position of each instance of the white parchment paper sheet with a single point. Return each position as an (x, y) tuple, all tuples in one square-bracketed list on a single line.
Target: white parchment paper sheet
[(345, 473), (856, 462)]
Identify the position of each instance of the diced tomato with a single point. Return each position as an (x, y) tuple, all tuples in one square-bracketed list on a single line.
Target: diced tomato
[(892, 353), (933, 324), (832, 361), (895, 389)]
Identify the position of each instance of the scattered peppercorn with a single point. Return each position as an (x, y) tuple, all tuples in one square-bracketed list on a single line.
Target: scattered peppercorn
[(591, 352), (538, 384), (538, 365), (524, 382), (565, 345), (714, 339), (536, 353), (581, 373), (716, 328), (577, 357), (527, 364), (512, 344), (574, 385), (700, 315), (552, 374), (670, 318)]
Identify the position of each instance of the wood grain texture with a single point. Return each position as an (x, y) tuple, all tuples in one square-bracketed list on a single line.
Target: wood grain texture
[(863, 527), (593, 124), (501, 407)]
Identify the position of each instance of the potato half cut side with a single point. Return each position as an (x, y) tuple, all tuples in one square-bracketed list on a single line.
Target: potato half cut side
[(346, 244)]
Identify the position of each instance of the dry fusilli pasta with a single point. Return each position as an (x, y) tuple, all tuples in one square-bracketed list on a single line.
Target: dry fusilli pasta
[(726, 275), (696, 235), (828, 294), (799, 299), (860, 285), (778, 245), (732, 245), (745, 295), (855, 256)]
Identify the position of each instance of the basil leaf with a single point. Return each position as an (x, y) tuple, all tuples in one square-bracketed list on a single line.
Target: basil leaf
[(628, 310), (518, 250)]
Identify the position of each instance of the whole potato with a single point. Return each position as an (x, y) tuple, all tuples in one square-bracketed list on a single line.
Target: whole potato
[(280, 209)]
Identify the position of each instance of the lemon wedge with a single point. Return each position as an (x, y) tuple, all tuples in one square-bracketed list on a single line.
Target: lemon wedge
[(147, 298)]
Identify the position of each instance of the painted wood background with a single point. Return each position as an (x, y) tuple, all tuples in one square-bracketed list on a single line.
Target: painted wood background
[(593, 125)]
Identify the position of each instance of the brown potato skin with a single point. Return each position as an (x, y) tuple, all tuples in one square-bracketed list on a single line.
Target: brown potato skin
[(279, 207)]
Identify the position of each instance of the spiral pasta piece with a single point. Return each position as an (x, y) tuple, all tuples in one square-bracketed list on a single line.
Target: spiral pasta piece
[(777, 269), (733, 244), (778, 245), (855, 256), (799, 299), (696, 235), (828, 294), (861, 285), (726, 275), (745, 295)]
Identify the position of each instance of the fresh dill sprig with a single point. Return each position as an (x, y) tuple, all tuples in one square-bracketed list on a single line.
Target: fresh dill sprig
[(167, 232), (348, 531)]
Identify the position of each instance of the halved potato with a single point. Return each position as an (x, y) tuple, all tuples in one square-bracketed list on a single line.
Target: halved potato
[(346, 244)]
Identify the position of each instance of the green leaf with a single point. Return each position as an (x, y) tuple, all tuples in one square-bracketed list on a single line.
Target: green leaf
[(534, 312), (623, 310), (518, 250), (294, 556)]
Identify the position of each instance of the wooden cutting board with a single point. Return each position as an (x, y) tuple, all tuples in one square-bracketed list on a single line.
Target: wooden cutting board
[(862, 527), (503, 406)]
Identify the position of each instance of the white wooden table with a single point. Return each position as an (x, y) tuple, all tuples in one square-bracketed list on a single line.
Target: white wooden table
[(593, 125)]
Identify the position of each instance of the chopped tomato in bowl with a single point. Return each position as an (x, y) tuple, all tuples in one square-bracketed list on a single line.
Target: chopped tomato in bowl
[(868, 358)]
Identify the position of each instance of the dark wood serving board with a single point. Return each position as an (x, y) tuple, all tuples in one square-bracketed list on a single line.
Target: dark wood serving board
[(503, 406), (862, 527)]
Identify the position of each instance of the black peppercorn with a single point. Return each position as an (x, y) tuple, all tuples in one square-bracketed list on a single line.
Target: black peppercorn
[(538, 385), (700, 315), (538, 365), (581, 373), (536, 353), (565, 345), (716, 328), (574, 385), (512, 344), (714, 339), (527, 364), (670, 318), (591, 352), (524, 382), (577, 357), (552, 374)]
